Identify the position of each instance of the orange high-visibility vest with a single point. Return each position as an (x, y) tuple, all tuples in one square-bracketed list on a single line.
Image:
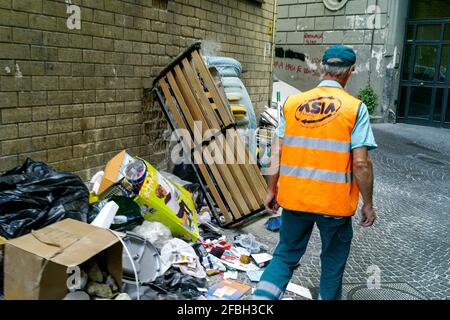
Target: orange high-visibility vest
[(316, 159)]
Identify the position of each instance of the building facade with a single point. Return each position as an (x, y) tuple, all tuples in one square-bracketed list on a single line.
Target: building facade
[(402, 47), (73, 72)]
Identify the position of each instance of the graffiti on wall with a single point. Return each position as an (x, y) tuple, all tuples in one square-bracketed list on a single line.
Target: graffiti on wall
[(289, 54), (292, 66), (313, 38)]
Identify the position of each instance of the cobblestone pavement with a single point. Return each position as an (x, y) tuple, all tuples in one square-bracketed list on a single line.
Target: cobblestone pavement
[(410, 242)]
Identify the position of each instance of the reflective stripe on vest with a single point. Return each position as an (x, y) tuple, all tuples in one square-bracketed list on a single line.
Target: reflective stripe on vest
[(316, 174), (319, 144)]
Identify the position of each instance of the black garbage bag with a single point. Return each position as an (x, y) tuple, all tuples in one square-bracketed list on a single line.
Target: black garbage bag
[(176, 285), (197, 194), (185, 172), (33, 196)]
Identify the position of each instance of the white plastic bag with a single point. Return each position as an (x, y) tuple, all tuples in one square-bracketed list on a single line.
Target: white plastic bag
[(249, 242), (204, 217), (154, 232)]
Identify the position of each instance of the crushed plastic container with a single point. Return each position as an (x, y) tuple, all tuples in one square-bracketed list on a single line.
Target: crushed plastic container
[(145, 256)]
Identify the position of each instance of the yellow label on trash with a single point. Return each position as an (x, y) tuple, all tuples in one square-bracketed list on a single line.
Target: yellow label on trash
[(93, 198), (168, 203)]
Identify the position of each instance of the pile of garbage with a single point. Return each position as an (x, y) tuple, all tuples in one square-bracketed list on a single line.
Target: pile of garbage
[(130, 233), (33, 196)]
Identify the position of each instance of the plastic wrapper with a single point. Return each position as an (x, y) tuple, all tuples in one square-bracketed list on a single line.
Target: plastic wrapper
[(154, 232), (193, 188), (211, 262), (173, 285), (273, 224), (249, 242), (204, 217), (33, 196)]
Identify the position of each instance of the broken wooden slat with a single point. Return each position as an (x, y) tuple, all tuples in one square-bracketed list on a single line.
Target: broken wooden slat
[(226, 114), (188, 95), (217, 176), (252, 167), (204, 104), (179, 97), (191, 104), (261, 186), (185, 110), (197, 158)]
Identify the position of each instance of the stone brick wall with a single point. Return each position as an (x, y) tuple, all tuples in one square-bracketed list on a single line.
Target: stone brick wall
[(374, 28), (74, 98)]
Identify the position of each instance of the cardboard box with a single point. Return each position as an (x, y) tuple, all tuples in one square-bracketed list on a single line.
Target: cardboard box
[(114, 170), (36, 265)]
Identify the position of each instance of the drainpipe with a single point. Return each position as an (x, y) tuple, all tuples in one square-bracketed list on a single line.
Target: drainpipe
[(372, 41), (272, 47)]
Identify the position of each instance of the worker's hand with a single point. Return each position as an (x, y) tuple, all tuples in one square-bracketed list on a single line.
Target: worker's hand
[(368, 216), (271, 202)]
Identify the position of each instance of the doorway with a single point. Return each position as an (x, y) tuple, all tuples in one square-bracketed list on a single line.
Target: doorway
[(425, 77)]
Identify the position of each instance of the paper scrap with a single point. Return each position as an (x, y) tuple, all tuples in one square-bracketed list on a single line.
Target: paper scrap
[(241, 251), (230, 275), (301, 291), (240, 266), (262, 257), (225, 291), (228, 289), (254, 276)]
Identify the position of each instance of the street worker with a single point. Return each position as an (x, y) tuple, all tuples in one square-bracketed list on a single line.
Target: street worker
[(320, 164)]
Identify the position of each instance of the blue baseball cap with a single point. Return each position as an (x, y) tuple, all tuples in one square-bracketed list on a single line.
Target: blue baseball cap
[(340, 56)]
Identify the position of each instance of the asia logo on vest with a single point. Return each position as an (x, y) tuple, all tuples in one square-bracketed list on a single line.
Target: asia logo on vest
[(318, 112)]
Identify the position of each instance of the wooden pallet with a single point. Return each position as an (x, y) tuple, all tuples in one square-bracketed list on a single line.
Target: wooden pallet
[(189, 96)]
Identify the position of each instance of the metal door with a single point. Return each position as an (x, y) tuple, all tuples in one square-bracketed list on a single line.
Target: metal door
[(425, 77)]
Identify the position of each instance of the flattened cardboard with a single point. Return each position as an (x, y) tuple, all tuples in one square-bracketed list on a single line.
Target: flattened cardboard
[(228, 290), (36, 264), (113, 170)]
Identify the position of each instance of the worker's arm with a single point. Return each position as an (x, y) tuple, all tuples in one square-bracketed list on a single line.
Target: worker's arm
[(271, 200), (363, 172)]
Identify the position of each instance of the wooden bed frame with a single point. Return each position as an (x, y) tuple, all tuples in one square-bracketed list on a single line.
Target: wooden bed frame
[(188, 94)]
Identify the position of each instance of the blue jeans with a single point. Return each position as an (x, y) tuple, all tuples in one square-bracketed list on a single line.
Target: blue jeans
[(296, 228)]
